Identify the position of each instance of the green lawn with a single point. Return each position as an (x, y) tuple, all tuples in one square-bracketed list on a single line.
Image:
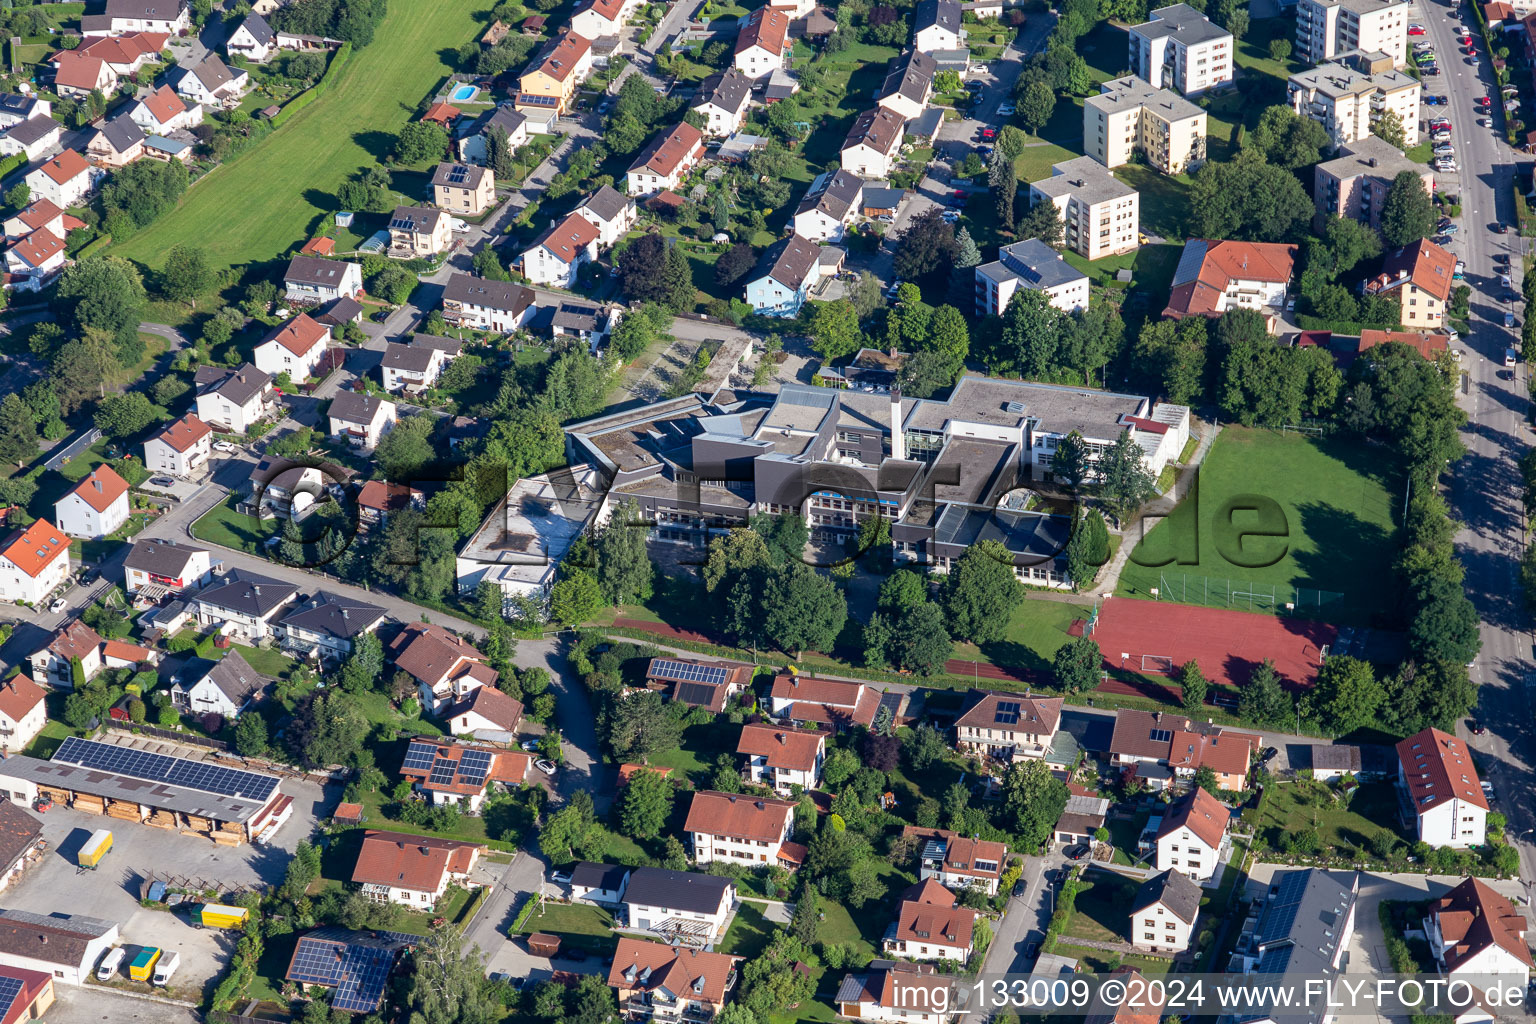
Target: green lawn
[(1293, 806), (1164, 200), (588, 927), (1335, 537), (1102, 910), (749, 933), (223, 525), (269, 198), (1097, 961), (695, 756), (1035, 630), (863, 934)]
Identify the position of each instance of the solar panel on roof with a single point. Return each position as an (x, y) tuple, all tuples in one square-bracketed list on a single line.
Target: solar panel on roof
[(474, 766), (419, 757), (1162, 736), (176, 771), (1007, 712), (357, 973), (683, 671), (442, 773), (10, 988), (694, 693)]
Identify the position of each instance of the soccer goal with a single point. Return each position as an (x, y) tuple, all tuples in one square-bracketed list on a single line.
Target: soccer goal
[(1157, 664)]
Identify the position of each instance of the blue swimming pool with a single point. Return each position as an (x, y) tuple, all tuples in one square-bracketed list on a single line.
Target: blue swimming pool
[(464, 93)]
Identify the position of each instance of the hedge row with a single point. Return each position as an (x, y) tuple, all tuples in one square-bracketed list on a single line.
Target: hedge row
[(314, 92), (1348, 327)]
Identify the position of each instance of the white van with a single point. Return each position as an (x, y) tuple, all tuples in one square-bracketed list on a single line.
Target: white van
[(1510, 357), (166, 966), (110, 963)]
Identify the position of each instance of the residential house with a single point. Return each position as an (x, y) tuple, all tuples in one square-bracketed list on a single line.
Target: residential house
[(471, 145), (446, 667), (1330, 762), (666, 159), (72, 642), (872, 144), (77, 75), (1192, 838), (243, 604), (723, 99), (23, 713), (595, 19), (551, 81), (1436, 771), (40, 215), (486, 714), (556, 256), (1034, 265), (163, 111), (1303, 930), (167, 17), (611, 212), (897, 992), (1181, 49), (679, 906), (228, 688), (297, 348), (829, 206), (125, 55), (418, 231), (936, 26), (64, 180), (700, 684), (1009, 727), (322, 628), (211, 82), (116, 654), (33, 262), (378, 500), (184, 449), (412, 871), (16, 107), (31, 138), (762, 43), (909, 85), (1163, 913), (297, 41), (737, 829), (603, 884), (930, 925), (63, 947), (155, 567), (1100, 214), (1227, 752), (410, 369), (96, 507), (782, 279), (1129, 116), (1478, 936), (354, 965), (958, 862), (1349, 100), (281, 486), (361, 419), (1327, 28), (835, 702), (233, 401), (165, 150), (457, 774), (464, 188), (483, 305), (586, 321), (312, 280), (253, 39), (116, 143), (1420, 276), (655, 981), (781, 757), (1214, 276), (33, 562)]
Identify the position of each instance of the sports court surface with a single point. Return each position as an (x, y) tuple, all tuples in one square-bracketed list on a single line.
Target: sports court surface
[(1156, 637)]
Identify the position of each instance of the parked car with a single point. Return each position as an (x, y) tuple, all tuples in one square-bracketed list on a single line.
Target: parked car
[(950, 216), (988, 134), (1415, 30), (224, 446), (1431, 70), (58, 605), (979, 69), (90, 575), (1019, 887), (1501, 229), (1477, 727), (1509, 320), (547, 767), (1006, 110)]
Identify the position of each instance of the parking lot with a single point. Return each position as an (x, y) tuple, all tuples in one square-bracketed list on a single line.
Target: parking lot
[(92, 1005), (111, 892)]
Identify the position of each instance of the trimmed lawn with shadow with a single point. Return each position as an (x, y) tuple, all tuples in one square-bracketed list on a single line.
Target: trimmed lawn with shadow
[(1102, 912)]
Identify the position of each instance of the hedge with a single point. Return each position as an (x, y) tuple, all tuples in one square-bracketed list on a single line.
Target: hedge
[(94, 246), (1349, 327), (308, 96), (12, 162)]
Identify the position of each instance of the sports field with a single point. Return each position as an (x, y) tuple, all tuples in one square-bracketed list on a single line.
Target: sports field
[(1328, 505), (262, 202)]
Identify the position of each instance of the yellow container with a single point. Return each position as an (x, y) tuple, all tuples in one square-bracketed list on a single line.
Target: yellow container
[(95, 848)]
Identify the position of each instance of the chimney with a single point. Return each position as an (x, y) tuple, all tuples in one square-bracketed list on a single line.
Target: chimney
[(898, 440), (782, 740)]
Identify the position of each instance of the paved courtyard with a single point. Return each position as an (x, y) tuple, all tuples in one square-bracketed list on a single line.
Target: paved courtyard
[(92, 1005)]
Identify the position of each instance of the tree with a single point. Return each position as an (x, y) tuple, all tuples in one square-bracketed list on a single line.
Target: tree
[(785, 537), (902, 591), (1035, 106), (914, 640), (18, 431), (571, 833), (251, 735), (18, 195), (1173, 353), (1043, 221), (1407, 214), (1445, 623), (364, 668), (1263, 701), (801, 609), (647, 802), (770, 983), (575, 598), (1237, 23), (1205, 778), (1280, 50), (734, 263), (328, 729), (923, 746), (623, 565), (186, 273), (1087, 549), (1070, 461), (1347, 695), (731, 554), (650, 270), (104, 292), (1030, 338), (804, 922), (928, 244), (980, 592), (1077, 665), (1033, 800), (420, 141), (1125, 483), (1286, 139), (1389, 128), (834, 329), (1346, 243), (1192, 682), (640, 724), (124, 415), (447, 983), (1248, 198)]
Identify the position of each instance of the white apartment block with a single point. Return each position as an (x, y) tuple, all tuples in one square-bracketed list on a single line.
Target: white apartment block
[(1327, 28), (1192, 838), (1029, 264), (738, 829), (1347, 102), (1100, 214), (1130, 116), (1435, 769), (1181, 49)]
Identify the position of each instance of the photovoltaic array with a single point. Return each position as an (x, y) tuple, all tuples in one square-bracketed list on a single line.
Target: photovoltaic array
[(174, 771), (10, 988), (686, 672), (357, 973)]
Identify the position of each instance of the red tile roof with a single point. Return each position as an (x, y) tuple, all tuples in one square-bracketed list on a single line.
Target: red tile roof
[(126, 48), (299, 335), (319, 246), (1222, 263), (101, 488), (18, 696), (609, 9), (35, 548), (164, 104), (739, 817), (40, 214), (489, 703), (66, 167), (929, 891), (1438, 767), (78, 70), (1423, 264), (962, 853), (386, 497), (765, 28), (569, 238), (39, 247), (411, 862), (1427, 345), (1198, 744), (186, 432), (924, 922), (667, 152), (442, 113), (562, 60), (673, 968), (791, 749), (1036, 715), (74, 640), (1473, 917), (428, 652), (1202, 814)]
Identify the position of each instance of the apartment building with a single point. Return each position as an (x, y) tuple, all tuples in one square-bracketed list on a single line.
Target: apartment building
[(739, 829), (1009, 727), (1100, 214), (1192, 839), (1347, 100), (1214, 276), (1029, 264), (551, 81), (1355, 183), (1421, 276), (1130, 116), (464, 188), (1435, 770), (1327, 28), (1181, 49)]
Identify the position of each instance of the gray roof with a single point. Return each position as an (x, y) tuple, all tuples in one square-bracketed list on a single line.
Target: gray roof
[(833, 194), (1370, 155), (160, 10), (577, 316), (163, 795), (235, 678), (879, 198), (727, 90), (247, 592), (1302, 922), (257, 26), (419, 220), (946, 14), (598, 876), (37, 128), (927, 124), (1054, 408), (1120, 94), (1174, 890), (18, 105), (1334, 757), (316, 271), (789, 261), (686, 891), (502, 295), (342, 310), (409, 358), (120, 132), (1183, 23), (239, 386), (351, 407), (454, 175), (449, 347), (507, 118), (212, 72), (62, 939), (911, 77), (161, 557), (334, 615), (608, 203), (1038, 265), (1085, 179)]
